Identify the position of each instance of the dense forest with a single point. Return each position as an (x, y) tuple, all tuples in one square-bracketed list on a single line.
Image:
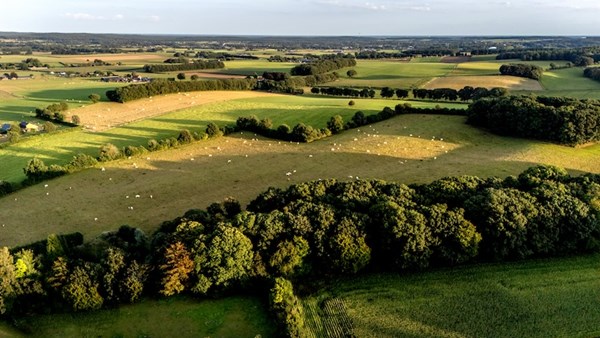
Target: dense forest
[(592, 73), (305, 233), (556, 119)]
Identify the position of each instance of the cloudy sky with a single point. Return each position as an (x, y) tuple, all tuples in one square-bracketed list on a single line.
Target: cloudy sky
[(306, 17)]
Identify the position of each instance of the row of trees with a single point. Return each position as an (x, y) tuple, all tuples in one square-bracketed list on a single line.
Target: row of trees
[(161, 87), (174, 67), (322, 66), (306, 233), (522, 70), (562, 120), (577, 57), (344, 91), (465, 94)]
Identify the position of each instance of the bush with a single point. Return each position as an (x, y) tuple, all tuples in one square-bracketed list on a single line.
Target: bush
[(49, 127), (212, 130), (181, 76), (81, 161), (5, 188), (94, 98), (185, 137), (351, 103), (109, 152), (75, 119)]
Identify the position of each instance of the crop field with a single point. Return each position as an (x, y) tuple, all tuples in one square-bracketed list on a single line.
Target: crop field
[(401, 149), (545, 298), (226, 317), (60, 148), (489, 81)]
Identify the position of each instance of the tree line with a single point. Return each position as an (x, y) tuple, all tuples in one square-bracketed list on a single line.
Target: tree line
[(580, 58), (174, 67), (522, 70), (306, 233), (556, 119), (322, 66), (592, 73), (161, 87), (465, 94)]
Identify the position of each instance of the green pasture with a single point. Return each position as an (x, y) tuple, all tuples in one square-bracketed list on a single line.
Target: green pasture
[(398, 74), (316, 111), (545, 298), (183, 317), (570, 82), (19, 98)]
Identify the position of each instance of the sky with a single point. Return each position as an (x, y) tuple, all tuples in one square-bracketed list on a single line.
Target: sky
[(305, 17)]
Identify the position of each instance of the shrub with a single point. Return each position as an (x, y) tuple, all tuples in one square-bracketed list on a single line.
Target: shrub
[(5, 188), (185, 137), (212, 130), (109, 152), (49, 127), (94, 98), (351, 103), (287, 309), (75, 119), (181, 76), (81, 161)]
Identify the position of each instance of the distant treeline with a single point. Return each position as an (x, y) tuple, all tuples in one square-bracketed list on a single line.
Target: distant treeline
[(307, 233), (562, 120), (522, 70), (161, 87), (84, 50), (577, 57), (225, 56), (194, 65), (322, 66), (592, 73)]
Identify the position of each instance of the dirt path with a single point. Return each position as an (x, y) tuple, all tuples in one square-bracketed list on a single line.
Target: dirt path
[(105, 115)]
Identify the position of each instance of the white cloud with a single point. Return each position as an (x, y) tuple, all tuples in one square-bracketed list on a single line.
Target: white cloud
[(83, 16), (154, 18)]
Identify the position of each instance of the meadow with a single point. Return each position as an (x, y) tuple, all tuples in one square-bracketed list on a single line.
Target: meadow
[(60, 148), (402, 149), (539, 298), (238, 316)]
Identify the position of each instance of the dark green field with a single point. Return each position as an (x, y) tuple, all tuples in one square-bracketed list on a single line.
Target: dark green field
[(546, 298)]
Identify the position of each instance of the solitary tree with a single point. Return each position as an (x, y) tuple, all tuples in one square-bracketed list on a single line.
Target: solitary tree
[(351, 73), (181, 76)]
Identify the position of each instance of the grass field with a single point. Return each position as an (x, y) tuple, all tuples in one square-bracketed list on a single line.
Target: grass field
[(487, 81), (395, 74), (570, 82), (226, 317), (400, 149), (546, 298), (60, 148)]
